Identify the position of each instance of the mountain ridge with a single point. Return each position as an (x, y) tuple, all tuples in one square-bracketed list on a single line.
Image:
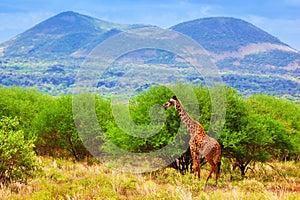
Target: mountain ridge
[(247, 57), (63, 34)]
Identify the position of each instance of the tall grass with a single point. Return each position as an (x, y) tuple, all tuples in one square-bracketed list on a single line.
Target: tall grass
[(65, 179)]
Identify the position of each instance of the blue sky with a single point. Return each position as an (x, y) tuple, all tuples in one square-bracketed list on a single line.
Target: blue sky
[(281, 18)]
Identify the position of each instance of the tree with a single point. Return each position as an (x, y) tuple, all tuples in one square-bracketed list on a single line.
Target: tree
[(285, 117), (24, 104), (253, 134), (136, 119), (17, 156), (56, 131)]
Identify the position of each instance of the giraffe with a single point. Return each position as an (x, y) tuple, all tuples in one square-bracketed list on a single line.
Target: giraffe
[(201, 145)]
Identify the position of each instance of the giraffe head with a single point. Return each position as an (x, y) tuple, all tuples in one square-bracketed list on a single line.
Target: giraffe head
[(171, 102)]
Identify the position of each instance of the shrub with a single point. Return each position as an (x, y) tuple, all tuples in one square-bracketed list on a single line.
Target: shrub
[(17, 157)]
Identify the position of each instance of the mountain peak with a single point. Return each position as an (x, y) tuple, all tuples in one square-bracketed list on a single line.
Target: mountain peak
[(232, 33), (68, 13), (62, 34), (68, 21)]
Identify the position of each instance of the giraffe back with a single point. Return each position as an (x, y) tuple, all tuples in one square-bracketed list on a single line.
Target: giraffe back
[(210, 148)]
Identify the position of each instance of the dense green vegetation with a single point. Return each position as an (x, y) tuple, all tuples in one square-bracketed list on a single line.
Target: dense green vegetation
[(257, 129), (247, 77), (51, 78)]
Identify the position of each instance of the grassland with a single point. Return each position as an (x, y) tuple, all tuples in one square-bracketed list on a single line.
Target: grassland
[(65, 179)]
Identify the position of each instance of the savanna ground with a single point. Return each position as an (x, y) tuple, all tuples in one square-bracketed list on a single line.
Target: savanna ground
[(65, 179)]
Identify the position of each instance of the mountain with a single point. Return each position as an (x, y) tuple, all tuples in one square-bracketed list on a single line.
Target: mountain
[(231, 33), (48, 55), (248, 58), (61, 36)]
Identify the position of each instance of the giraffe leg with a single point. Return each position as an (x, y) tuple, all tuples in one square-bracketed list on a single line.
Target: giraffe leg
[(217, 170), (213, 169), (209, 175), (196, 164), (196, 169)]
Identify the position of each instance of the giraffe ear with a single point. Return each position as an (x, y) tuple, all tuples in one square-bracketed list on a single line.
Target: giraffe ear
[(175, 98)]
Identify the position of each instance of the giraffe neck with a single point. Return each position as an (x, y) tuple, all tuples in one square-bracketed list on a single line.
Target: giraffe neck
[(192, 125)]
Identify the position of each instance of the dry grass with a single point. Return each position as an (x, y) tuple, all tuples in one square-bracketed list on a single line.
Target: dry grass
[(64, 179)]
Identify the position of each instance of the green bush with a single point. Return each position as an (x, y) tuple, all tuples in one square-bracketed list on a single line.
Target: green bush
[(17, 157)]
